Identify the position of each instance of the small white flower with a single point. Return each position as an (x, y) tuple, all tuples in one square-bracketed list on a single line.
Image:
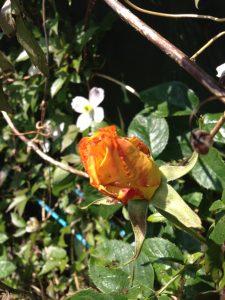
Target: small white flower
[(89, 109), (220, 70)]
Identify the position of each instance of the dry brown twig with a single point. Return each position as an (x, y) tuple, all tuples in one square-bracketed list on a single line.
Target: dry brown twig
[(36, 149)]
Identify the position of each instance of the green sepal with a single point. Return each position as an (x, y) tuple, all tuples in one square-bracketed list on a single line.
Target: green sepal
[(102, 201), (175, 172), (137, 210), (167, 200)]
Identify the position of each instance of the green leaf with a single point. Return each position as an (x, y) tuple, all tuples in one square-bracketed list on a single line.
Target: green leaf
[(153, 131), (209, 171), (158, 249), (175, 172), (193, 198), (214, 259), (56, 257), (3, 238), (209, 121), (90, 294), (18, 221), (57, 85), (168, 200), (59, 175), (156, 218), (170, 99), (109, 278), (49, 266), (23, 56), (32, 48), (218, 233), (217, 205), (5, 64), (55, 253), (6, 268), (71, 159), (69, 137), (165, 257), (19, 202)]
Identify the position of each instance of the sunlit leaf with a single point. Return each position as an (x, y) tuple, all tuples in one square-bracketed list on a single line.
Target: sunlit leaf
[(3, 238), (57, 85), (153, 131), (69, 137), (6, 268), (108, 278), (168, 200), (209, 121)]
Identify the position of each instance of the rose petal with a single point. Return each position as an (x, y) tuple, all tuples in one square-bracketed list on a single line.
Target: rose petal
[(98, 114), (78, 103), (96, 96), (84, 121)]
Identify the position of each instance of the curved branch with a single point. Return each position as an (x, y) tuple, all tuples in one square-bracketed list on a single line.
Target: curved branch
[(174, 16), (35, 148), (209, 43), (168, 48)]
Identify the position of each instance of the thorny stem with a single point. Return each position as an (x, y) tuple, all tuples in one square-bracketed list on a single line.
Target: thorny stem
[(35, 148), (174, 16), (212, 40), (169, 49)]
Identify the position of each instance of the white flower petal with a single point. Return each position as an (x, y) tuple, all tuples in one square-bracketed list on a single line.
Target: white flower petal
[(84, 121), (78, 104), (96, 96), (98, 114), (220, 69)]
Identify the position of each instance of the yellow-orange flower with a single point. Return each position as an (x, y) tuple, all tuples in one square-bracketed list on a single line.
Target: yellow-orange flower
[(120, 167)]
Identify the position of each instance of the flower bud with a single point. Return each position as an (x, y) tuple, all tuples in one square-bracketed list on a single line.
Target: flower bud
[(120, 167)]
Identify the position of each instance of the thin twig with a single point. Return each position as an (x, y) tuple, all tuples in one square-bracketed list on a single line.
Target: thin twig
[(212, 40), (218, 125), (203, 103), (174, 16), (124, 86), (168, 48), (35, 148)]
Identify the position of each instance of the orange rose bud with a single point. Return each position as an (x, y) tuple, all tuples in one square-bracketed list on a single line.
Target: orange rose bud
[(120, 167)]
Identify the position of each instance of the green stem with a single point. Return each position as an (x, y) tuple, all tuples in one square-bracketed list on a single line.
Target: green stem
[(159, 292)]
